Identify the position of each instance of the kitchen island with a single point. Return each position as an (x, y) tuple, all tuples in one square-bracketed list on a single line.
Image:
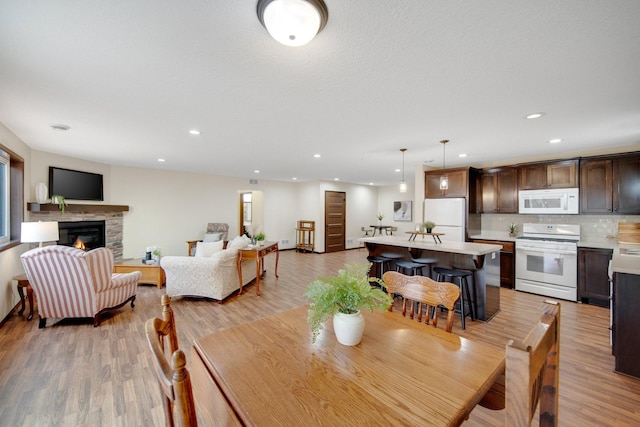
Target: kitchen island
[(483, 260)]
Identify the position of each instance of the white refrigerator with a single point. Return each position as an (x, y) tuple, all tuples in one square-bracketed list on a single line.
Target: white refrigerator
[(449, 216)]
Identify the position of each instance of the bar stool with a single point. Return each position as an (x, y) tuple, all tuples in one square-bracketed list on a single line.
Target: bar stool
[(426, 262), (414, 268), (463, 283), (379, 263)]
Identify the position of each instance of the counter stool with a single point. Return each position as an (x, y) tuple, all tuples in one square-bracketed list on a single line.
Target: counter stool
[(414, 268), (393, 257), (463, 283), (426, 262), (379, 263)]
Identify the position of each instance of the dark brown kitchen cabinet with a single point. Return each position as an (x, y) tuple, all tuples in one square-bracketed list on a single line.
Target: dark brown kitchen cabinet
[(593, 275), (500, 190), (458, 183), (610, 185), (626, 320), (507, 262), (557, 174)]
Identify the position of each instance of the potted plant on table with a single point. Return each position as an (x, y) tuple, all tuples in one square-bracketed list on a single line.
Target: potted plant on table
[(260, 239), (380, 217), (428, 226), (343, 297)]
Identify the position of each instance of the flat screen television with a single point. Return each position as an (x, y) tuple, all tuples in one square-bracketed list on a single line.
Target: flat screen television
[(75, 185)]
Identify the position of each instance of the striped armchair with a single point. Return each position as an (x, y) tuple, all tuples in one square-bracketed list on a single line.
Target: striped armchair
[(69, 282)]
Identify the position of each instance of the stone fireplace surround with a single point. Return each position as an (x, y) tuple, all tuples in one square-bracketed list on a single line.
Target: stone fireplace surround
[(112, 215)]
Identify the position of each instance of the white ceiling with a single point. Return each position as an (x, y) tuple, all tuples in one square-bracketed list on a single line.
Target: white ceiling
[(132, 77)]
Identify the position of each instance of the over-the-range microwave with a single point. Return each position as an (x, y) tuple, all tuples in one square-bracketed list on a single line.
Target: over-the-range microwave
[(551, 201)]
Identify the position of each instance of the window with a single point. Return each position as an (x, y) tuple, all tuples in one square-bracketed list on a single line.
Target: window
[(5, 211), (11, 197)]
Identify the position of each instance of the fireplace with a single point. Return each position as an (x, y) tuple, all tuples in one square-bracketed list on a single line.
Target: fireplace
[(84, 235)]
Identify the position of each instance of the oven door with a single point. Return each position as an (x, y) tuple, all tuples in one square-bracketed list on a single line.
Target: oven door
[(548, 268)]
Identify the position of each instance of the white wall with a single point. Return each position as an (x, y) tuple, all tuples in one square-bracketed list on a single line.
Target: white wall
[(10, 265), (391, 193)]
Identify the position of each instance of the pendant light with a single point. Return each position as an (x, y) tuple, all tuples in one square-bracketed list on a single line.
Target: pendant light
[(293, 22), (444, 179), (403, 183)]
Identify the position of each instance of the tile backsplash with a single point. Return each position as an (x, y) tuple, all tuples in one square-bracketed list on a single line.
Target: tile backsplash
[(592, 227)]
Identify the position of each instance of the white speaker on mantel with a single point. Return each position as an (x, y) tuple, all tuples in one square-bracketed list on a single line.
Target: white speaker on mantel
[(42, 192)]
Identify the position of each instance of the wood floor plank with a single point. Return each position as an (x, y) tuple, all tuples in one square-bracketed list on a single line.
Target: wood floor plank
[(72, 374)]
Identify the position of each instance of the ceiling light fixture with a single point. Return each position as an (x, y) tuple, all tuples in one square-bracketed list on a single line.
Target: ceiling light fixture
[(555, 141), (444, 179), (194, 132), (534, 116), (403, 183), (317, 156), (293, 22)]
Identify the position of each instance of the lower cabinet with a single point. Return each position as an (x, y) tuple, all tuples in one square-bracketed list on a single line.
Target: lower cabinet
[(507, 262), (593, 275), (626, 320)]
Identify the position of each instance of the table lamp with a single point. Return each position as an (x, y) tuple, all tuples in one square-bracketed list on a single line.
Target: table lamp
[(41, 231)]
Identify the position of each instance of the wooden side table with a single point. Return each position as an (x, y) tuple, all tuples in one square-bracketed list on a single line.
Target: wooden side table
[(151, 273), (23, 283), (258, 253)]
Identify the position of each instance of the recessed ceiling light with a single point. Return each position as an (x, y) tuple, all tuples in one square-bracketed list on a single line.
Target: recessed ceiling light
[(462, 155), (317, 156), (161, 160), (194, 132), (397, 170), (336, 179), (371, 183), (555, 141), (60, 127), (294, 178), (534, 116), (256, 171)]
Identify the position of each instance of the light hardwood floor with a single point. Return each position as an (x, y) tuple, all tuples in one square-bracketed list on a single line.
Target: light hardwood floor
[(71, 374)]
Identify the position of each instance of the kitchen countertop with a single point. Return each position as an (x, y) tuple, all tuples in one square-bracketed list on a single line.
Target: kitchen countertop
[(622, 263), (465, 248)]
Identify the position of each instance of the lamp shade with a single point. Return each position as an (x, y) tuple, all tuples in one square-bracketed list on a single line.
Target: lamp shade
[(43, 231), (292, 22)]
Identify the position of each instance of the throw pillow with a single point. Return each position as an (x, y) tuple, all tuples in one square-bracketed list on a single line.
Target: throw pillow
[(206, 249), (239, 242), (212, 237)]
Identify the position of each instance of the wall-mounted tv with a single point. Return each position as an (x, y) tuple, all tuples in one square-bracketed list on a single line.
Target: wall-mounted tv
[(75, 185)]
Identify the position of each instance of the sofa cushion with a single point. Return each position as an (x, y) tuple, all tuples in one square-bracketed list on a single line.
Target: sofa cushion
[(206, 249), (239, 242), (212, 237)]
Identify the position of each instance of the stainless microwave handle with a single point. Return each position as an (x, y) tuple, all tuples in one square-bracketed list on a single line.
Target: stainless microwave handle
[(542, 251)]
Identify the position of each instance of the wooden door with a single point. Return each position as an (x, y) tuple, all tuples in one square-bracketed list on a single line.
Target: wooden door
[(334, 220), (626, 185), (489, 193), (595, 186), (507, 183), (533, 177), (562, 174)]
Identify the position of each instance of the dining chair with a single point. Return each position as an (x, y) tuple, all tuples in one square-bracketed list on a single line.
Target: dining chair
[(531, 375), (173, 376), (420, 290)]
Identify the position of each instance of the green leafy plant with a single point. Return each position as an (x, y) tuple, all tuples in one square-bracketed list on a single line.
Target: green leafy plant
[(259, 236), (59, 200), (429, 225), (513, 228), (346, 293), (380, 216)]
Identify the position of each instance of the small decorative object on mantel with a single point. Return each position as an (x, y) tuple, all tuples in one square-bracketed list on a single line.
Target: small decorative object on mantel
[(41, 192), (260, 239), (513, 230), (57, 199), (428, 226), (380, 217), (343, 297)]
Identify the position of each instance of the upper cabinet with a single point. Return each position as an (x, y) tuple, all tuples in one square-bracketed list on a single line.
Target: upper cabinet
[(610, 185), (458, 183), (500, 190), (558, 174)]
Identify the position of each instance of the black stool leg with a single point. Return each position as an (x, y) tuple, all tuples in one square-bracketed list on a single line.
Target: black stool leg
[(462, 313), (469, 300)]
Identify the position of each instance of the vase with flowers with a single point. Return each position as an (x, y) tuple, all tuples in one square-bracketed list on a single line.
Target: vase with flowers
[(380, 217)]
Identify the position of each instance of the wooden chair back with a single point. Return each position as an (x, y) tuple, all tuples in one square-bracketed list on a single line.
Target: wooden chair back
[(171, 371), (532, 371), (424, 291)]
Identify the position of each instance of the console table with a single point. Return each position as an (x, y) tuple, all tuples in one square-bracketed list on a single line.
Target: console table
[(258, 253)]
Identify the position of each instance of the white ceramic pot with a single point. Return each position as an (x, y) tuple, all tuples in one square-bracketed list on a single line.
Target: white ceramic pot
[(348, 327), (42, 192)]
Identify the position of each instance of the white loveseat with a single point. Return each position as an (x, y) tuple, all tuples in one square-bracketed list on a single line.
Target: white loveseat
[(214, 276)]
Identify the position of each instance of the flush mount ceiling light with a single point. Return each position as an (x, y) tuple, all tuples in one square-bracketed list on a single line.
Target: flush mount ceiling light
[(403, 183), (534, 116), (293, 22), (444, 179)]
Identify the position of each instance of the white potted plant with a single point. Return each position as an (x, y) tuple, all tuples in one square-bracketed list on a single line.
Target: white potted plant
[(380, 217), (343, 297)]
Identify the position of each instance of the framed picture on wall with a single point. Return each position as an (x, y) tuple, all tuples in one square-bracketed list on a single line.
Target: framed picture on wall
[(402, 210)]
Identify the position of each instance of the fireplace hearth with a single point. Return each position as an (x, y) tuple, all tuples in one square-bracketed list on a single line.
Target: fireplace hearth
[(85, 235)]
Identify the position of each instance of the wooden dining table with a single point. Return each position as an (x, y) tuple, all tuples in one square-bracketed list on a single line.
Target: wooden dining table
[(268, 372)]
